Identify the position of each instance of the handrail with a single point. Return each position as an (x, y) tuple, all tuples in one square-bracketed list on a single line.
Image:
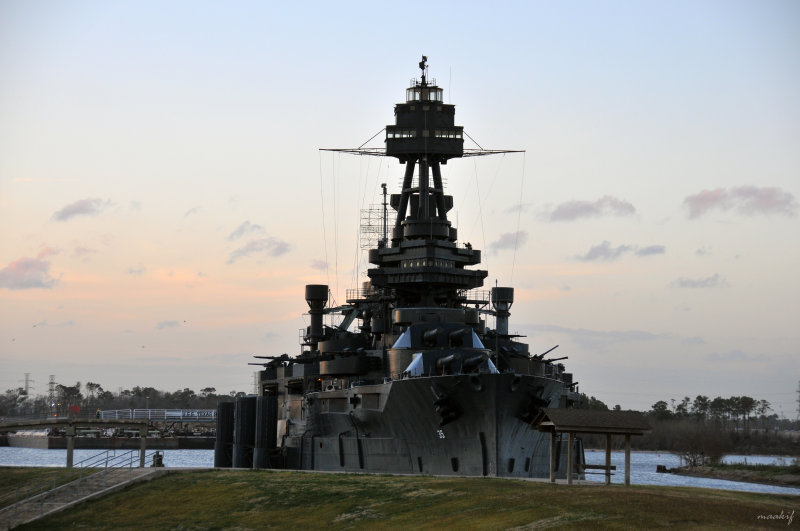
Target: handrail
[(175, 415), (40, 492), (92, 459), (19, 494)]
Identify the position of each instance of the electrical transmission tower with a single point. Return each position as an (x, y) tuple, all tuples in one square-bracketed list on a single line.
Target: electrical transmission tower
[(28, 383), (51, 392)]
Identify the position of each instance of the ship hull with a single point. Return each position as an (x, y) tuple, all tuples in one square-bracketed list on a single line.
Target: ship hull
[(396, 427)]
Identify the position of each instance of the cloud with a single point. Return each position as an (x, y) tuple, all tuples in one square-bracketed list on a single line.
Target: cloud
[(605, 206), (509, 240), (44, 323), (605, 252), (167, 324), (767, 200), (243, 229), (271, 246), (734, 355), (319, 265), (27, 273), (744, 200), (81, 251), (193, 210), (650, 250), (708, 282), (703, 251), (83, 207), (600, 339), (138, 270), (521, 207), (694, 340), (135, 206), (47, 251)]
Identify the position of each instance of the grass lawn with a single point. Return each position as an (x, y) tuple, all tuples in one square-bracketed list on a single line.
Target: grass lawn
[(14, 480), (233, 499)]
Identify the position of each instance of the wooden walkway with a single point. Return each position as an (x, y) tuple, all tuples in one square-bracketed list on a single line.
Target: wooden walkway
[(71, 425)]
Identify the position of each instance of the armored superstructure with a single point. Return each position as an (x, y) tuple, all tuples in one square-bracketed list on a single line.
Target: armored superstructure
[(411, 380)]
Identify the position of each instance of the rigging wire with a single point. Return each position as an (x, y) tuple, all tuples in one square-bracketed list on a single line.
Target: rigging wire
[(335, 230), (354, 270), (370, 138), (467, 134), (519, 219), (324, 232), (357, 249), (488, 192), (480, 211), (374, 188)]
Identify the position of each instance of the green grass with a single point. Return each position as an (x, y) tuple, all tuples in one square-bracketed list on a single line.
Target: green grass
[(17, 480), (766, 469), (768, 474), (232, 499)]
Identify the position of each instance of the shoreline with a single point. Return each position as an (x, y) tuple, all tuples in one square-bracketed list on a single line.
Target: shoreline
[(112, 443), (743, 475)]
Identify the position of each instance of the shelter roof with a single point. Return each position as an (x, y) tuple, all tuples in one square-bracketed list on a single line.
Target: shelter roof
[(592, 421)]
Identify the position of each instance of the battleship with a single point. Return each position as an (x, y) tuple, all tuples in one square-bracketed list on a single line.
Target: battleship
[(407, 378)]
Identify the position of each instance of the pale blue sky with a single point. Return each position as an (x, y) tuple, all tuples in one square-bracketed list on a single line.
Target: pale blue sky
[(162, 193)]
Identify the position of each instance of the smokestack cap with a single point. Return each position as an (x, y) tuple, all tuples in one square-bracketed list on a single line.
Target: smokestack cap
[(502, 295), (316, 292)]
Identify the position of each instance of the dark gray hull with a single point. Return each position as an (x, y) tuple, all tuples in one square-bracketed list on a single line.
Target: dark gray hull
[(394, 428)]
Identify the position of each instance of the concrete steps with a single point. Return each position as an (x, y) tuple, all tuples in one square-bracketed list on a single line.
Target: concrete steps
[(80, 490)]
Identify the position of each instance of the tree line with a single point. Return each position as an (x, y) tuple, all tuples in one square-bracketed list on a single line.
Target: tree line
[(703, 430), (91, 396), (735, 411)]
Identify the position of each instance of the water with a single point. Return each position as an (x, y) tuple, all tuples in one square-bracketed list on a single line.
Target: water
[(643, 466), (643, 471), (12, 456)]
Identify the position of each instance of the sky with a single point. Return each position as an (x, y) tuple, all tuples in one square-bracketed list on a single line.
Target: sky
[(164, 199)]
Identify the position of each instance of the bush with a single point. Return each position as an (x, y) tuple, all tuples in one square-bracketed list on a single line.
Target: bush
[(699, 444)]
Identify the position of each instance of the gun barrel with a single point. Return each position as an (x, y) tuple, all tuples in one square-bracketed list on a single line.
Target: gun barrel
[(545, 353)]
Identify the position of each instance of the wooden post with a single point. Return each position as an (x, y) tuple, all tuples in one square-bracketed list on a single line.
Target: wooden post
[(553, 456), (142, 445), (570, 457), (627, 459), (70, 445), (608, 459)]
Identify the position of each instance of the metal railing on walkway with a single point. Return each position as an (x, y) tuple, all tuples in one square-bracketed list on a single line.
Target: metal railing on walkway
[(165, 415), (93, 474)]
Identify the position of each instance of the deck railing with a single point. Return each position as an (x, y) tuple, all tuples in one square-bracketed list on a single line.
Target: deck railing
[(165, 415)]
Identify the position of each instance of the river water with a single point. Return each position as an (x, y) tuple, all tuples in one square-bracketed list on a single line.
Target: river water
[(643, 471), (643, 466)]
